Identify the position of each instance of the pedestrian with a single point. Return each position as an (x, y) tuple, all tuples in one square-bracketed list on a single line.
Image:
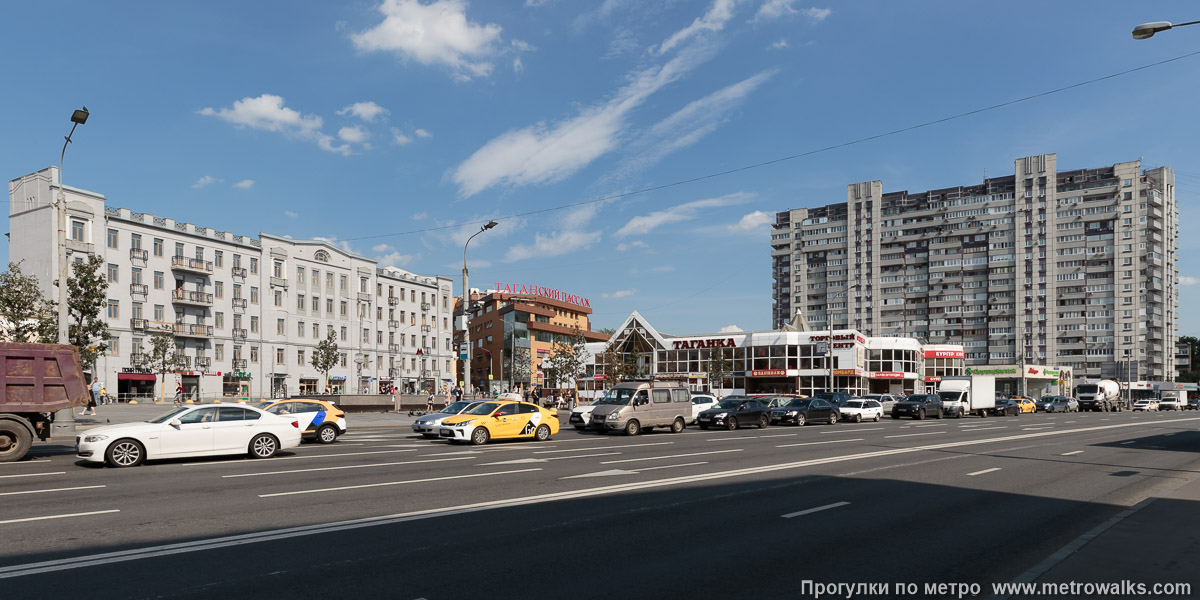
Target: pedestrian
[(104, 399), (429, 402), (395, 399), (94, 399), (445, 397), (179, 393)]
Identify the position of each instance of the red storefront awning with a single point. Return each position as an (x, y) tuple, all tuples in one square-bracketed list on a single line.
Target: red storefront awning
[(136, 377)]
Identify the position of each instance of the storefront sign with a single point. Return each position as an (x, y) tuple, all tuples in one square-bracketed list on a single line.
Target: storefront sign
[(845, 371), (1051, 372), (840, 337), (545, 292), (600, 377), (887, 375), (943, 354), (933, 379), (768, 373), (709, 343), (992, 371), (239, 375)]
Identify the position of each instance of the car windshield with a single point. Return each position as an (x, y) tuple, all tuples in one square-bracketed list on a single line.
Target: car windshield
[(920, 398), (620, 396), (852, 404), (485, 408), (1086, 388), (798, 403), (731, 404), (826, 396), (171, 415), (456, 407), (949, 396)]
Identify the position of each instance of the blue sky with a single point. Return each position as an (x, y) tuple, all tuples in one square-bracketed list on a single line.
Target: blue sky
[(393, 128)]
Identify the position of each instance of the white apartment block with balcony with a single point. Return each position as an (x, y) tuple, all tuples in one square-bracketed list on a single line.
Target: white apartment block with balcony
[(1065, 268), (247, 312)]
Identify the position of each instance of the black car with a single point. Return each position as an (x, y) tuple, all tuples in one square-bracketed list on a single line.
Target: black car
[(834, 398), (1005, 408), (805, 410), (733, 412), (919, 406)]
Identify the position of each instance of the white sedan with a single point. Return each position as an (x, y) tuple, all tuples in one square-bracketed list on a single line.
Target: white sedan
[(701, 403), (582, 415), (204, 430), (428, 425), (860, 410)]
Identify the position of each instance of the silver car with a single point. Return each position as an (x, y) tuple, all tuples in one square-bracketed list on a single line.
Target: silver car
[(885, 400), (428, 425)]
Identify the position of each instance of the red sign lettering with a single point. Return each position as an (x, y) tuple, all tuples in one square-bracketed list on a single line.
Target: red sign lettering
[(709, 343), (768, 373), (545, 292), (943, 354)]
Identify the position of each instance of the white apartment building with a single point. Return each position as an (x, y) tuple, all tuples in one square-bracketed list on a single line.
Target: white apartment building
[(246, 312), (1074, 269)]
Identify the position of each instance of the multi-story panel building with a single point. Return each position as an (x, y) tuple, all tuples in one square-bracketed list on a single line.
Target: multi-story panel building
[(1071, 268), (246, 312)]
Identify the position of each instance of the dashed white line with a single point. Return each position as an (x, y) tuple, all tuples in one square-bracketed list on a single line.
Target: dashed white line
[(991, 470), (83, 514), (855, 430), (1128, 442), (987, 428), (813, 510), (70, 489), (388, 483), (278, 458), (671, 466), (818, 443), (390, 464), (913, 434), (33, 474), (602, 448), (1072, 452), (708, 453)]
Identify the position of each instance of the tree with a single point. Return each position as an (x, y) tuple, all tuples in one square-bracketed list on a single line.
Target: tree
[(27, 316), (568, 360), (326, 357), (718, 368), (164, 358), (614, 365), (633, 367), (87, 291), (606, 330)]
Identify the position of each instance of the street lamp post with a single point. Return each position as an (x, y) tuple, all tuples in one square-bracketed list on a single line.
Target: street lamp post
[(78, 118), (466, 298), (1147, 30)]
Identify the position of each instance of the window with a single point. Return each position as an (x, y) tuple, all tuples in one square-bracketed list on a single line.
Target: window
[(112, 273), (277, 269), (362, 284), (316, 305), (135, 241), (199, 253), (220, 320), (279, 326), (329, 283), (137, 310), (158, 247), (279, 356), (110, 240), (343, 336), (329, 306), (219, 289), (300, 302), (219, 349), (237, 261), (158, 312), (77, 230), (300, 328), (300, 275), (321, 256), (344, 284), (278, 297), (253, 354), (253, 295), (253, 265), (316, 330), (345, 309), (178, 248), (114, 309), (237, 290), (218, 258), (254, 324), (300, 357)]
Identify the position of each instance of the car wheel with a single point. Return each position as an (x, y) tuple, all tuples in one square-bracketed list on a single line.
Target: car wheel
[(762, 422), (633, 428), (801, 419), (858, 418), (263, 445), (542, 433), (677, 426), (327, 434), (15, 441), (940, 414), (731, 424), (125, 453), (877, 417), (480, 436), (920, 415), (832, 418)]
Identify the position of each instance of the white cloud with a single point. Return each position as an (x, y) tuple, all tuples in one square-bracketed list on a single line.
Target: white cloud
[(536, 3), (395, 259), (421, 133), (522, 46), (353, 135), (620, 293), (1188, 280), (658, 269), (268, 113), (781, 44), (367, 111), (244, 184), (714, 20), (291, 214), (381, 248), (434, 33), (421, 216), (775, 9), (205, 181), (518, 66), (399, 138), (730, 329), (752, 221), (623, 247), (555, 244), (687, 211)]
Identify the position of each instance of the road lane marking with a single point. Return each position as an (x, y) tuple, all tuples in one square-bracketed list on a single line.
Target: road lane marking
[(612, 472), (692, 464), (1070, 453), (1128, 442), (602, 448), (1034, 428), (70, 489), (524, 461), (706, 453), (82, 561), (813, 510), (390, 464), (818, 443), (238, 462), (777, 435), (991, 470), (855, 430), (987, 428), (729, 439), (389, 483), (38, 474), (931, 425), (26, 462), (83, 514), (912, 434)]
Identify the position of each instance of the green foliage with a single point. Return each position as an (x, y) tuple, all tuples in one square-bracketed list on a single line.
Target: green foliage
[(163, 357), (719, 368), (569, 360), (326, 357), (29, 317), (86, 297), (606, 330)]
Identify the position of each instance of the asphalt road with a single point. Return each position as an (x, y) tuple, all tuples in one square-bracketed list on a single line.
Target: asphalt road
[(748, 513)]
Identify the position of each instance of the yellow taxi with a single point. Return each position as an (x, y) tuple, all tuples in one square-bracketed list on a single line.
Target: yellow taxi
[(501, 419), (319, 420), (1027, 404)]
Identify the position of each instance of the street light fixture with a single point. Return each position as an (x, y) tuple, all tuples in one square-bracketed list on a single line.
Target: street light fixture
[(1147, 30), (79, 117), (466, 291)]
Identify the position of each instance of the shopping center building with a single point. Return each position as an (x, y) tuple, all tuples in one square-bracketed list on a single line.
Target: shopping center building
[(788, 361)]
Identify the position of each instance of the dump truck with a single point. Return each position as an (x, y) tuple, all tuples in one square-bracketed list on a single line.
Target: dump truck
[(1102, 396), (37, 381)]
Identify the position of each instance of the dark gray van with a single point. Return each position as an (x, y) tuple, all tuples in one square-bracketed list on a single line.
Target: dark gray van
[(632, 406)]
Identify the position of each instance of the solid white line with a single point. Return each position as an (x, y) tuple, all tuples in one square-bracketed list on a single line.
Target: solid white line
[(70, 489), (1070, 453), (728, 439), (855, 430), (277, 458), (912, 434), (818, 443), (987, 428), (813, 510), (671, 466), (33, 474), (581, 456), (1033, 428), (706, 453), (94, 512), (993, 469), (777, 435), (931, 425), (602, 448), (387, 483), (76, 562), (26, 462), (390, 464)]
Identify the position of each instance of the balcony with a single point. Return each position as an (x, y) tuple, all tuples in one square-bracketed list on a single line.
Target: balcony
[(239, 303), (239, 334), (279, 282), (192, 265), (191, 330), (138, 254), (393, 324), (138, 359), (364, 297), (238, 272), (393, 372), (395, 348), (203, 362), (426, 328), (392, 301), (181, 296), (138, 289), (138, 324), (426, 306)]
